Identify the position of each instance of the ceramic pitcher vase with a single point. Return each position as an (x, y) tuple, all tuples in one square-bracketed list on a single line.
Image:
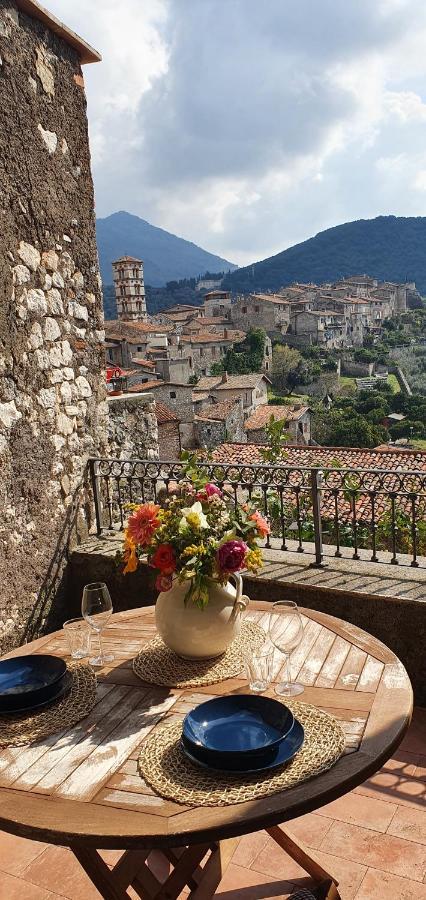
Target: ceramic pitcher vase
[(195, 633)]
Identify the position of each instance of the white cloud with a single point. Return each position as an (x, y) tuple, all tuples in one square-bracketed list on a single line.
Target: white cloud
[(248, 126)]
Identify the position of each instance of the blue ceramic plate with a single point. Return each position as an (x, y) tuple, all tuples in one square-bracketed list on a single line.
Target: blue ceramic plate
[(240, 723), (61, 689), (28, 681), (285, 751)]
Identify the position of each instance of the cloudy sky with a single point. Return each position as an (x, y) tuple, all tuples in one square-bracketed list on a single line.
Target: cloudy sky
[(248, 126)]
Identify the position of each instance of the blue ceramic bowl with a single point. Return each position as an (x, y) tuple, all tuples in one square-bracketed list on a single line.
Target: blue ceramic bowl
[(29, 681), (247, 763), (240, 723)]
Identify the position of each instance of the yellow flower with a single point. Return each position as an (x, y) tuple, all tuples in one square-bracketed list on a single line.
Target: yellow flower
[(254, 560), (194, 550)]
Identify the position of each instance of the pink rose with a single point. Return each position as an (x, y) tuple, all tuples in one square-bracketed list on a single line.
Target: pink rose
[(210, 490), (231, 556), (163, 583)]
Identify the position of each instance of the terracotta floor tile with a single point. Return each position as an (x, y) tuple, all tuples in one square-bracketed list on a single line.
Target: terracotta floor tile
[(244, 884), (348, 873), (57, 870), (16, 889), (381, 885), (311, 829), (357, 809), (111, 857), (409, 824), (379, 851), (272, 860), (16, 853), (391, 788), (249, 847)]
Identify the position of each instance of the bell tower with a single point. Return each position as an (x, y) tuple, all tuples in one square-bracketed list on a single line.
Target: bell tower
[(129, 289)]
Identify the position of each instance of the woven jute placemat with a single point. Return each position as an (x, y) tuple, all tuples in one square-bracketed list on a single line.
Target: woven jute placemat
[(28, 728), (156, 664), (164, 766)]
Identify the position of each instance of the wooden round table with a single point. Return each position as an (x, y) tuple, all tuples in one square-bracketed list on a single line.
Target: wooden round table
[(82, 789)]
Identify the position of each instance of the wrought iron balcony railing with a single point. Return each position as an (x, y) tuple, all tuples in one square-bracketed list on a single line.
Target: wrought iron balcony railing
[(378, 514)]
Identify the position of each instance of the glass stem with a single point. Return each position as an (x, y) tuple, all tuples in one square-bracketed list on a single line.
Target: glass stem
[(100, 646), (287, 670)]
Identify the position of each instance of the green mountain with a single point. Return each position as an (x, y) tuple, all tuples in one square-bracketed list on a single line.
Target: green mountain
[(165, 256), (391, 248)]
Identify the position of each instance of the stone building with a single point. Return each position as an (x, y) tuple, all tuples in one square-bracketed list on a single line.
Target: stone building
[(178, 397), (267, 311), (220, 422), (52, 384), (251, 389), (297, 420), (129, 288), (169, 443), (218, 303), (207, 348)]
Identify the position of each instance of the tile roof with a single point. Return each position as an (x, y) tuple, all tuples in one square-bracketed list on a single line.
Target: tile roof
[(145, 363), (210, 382), (201, 395), (347, 457), (217, 412), (214, 337), (270, 298), (207, 382), (242, 381), (262, 414), (144, 386), (127, 259), (304, 457), (164, 413)]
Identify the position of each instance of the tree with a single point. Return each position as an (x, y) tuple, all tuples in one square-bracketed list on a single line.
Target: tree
[(244, 357), (285, 362), (346, 428)]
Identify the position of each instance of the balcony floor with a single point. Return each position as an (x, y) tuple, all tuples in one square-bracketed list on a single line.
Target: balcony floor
[(373, 839)]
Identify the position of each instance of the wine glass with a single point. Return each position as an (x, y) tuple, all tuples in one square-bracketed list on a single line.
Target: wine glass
[(96, 608), (286, 633)]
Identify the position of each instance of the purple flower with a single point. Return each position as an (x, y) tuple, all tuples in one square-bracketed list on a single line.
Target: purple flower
[(231, 556)]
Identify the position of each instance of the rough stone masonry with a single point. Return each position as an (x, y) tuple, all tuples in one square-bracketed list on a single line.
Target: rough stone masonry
[(52, 403)]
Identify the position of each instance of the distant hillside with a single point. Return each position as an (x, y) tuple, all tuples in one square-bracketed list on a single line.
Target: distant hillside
[(390, 248), (165, 256)]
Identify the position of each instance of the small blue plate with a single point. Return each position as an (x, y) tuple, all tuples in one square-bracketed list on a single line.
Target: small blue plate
[(285, 751), (28, 681), (239, 723)]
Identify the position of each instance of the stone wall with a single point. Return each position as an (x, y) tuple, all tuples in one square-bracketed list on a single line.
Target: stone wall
[(132, 427), (169, 443), (52, 407)]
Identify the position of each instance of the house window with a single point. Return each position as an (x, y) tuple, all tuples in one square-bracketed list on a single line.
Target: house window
[(201, 351), (256, 309), (243, 309), (172, 395), (123, 291), (266, 351), (139, 349)]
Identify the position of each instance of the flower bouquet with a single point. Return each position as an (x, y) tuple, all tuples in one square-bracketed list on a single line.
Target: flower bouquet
[(198, 539), (197, 534)]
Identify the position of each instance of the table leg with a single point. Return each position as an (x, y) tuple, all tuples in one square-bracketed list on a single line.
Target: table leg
[(133, 870), (304, 857)]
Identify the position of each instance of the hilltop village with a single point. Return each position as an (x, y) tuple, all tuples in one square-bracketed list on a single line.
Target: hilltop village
[(220, 370)]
